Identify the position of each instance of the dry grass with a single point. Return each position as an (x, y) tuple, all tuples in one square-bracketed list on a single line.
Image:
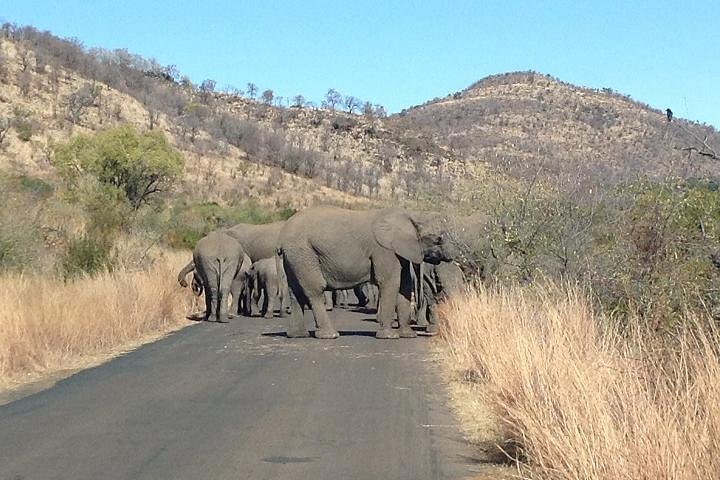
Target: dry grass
[(47, 325), (573, 396)]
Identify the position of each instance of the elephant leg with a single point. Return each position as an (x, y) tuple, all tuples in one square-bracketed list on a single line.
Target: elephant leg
[(211, 300), (360, 295), (272, 296), (296, 327), (325, 328), (329, 301), (222, 307), (403, 302), (208, 304), (387, 303), (421, 316), (236, 293), (284, 301), (267, 305), (432, 318)]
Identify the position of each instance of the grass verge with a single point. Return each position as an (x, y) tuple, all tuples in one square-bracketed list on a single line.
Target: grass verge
[(47, 325), (567, 394)]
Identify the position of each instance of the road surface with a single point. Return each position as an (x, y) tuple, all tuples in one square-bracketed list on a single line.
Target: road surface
[(242, 401)]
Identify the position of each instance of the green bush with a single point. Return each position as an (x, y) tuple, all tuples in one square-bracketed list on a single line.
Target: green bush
[(86, 255), (38, 187), (139, 165), (24, 129)]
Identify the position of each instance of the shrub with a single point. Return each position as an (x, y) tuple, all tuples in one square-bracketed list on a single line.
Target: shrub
[(86, 255), (24, 128), (140, 165)]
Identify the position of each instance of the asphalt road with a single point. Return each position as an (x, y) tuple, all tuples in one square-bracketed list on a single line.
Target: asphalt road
[(242, 401)]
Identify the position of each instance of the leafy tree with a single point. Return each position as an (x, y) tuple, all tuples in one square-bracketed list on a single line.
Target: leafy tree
[(138, 165)]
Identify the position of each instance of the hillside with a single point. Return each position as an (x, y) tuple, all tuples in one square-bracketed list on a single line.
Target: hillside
[(525, 122), (45, 103), (505, 128)]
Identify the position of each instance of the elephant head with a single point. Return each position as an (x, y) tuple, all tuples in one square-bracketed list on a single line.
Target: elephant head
[(417, 237)]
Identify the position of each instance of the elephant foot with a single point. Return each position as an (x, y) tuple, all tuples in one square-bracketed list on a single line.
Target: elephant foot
[(432, 329), (268, 315), (407, 332), (422, 322), (387, 333), (297, 333), (326, 333)]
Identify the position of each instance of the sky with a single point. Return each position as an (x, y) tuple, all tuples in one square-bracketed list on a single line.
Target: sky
[(403, 53)]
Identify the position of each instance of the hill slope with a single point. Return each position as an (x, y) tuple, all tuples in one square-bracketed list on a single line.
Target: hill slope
[(506, 127), (524, 122)]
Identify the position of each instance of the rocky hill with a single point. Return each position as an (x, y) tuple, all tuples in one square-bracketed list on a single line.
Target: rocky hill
[(507, 127), (524, 123)]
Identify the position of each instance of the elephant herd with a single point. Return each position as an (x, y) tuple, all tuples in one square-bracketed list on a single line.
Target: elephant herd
[(314, 258)]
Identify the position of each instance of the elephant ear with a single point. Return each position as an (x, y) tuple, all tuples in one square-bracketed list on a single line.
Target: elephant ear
[(394, 230)]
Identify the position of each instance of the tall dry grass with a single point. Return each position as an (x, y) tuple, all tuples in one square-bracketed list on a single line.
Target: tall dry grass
[(47, 324), (574, 396)]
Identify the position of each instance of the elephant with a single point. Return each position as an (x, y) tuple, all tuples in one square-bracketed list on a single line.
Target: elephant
[(259, 241), (217, 259), (264, 280), (438, 282), (238, 288), (330, 248)]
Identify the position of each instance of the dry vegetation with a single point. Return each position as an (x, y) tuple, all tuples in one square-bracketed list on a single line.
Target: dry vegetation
[(525, 122), (572, 395), (49, 325)]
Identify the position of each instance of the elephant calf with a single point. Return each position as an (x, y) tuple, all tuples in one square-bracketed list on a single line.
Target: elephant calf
[(439, 281), (273, 287)]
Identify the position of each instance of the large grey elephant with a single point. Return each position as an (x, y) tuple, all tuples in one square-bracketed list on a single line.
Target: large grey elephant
[(438, 282), (329, 248), (217, 259), (266, 282), (238, 290)]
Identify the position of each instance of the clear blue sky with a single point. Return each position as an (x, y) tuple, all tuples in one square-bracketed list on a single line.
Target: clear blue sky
[(400, 54)]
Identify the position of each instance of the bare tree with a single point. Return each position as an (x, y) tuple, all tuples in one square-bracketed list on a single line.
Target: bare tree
[(24, 82), (86, 96), (333, 98), (351, 104), (267, 96), (701, 147), (251, 90), (207, 88), (298, 101)]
